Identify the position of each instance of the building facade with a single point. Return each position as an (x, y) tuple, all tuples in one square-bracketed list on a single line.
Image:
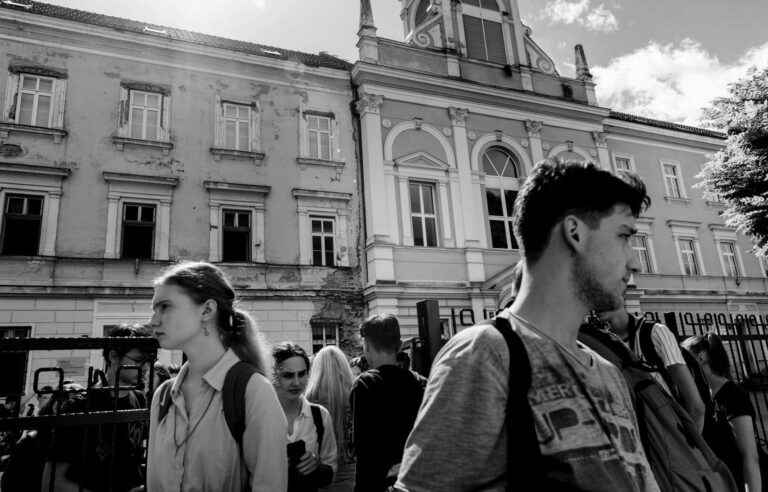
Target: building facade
[(453, 119), (126, 146)]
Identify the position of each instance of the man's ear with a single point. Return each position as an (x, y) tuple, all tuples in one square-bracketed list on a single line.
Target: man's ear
[(210, 310), (574, 232)]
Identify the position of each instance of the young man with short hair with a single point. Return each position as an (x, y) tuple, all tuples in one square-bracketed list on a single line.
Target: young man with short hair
[(385, 400), (574, 223)]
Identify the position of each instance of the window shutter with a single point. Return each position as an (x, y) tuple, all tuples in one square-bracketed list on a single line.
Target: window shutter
[(303, 135), (11, 96), (255, 127), (473, 35), (218, 130), (59, 102), (494, 41), (165, 119), (123, 110)]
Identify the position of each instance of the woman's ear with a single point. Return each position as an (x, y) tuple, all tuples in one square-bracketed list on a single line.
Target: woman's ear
[(210, 310)]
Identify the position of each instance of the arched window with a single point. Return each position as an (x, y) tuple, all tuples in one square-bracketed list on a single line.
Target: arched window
[(421, 14), (483, 34), (502, 170)]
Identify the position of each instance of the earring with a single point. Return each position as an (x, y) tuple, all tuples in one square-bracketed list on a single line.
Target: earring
[(205, 330)]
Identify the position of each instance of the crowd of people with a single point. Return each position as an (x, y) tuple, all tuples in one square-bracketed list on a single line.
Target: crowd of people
[(562, 390)]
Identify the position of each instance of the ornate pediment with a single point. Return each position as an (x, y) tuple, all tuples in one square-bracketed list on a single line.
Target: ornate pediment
[(422, 160)]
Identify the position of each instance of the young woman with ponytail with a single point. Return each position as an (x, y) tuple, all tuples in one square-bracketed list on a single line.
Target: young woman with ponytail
[(732, 435), (191, 446)]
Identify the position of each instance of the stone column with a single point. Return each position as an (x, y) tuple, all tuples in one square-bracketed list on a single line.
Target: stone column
[(405, 211), (377, 204), (163, 231), (464, 207), (603, 156), (113, 206), (48, 244), (534, 141)]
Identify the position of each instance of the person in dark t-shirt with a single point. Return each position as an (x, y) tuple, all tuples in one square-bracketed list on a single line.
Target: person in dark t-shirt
[(385, 401), (732, 435)]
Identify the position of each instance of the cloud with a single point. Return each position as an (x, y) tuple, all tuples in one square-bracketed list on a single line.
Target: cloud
[(671, 82), (580, 12), (260, 4)]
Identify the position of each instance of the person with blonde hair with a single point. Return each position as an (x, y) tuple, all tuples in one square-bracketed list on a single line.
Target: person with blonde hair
[(191, 444), (330, 383)]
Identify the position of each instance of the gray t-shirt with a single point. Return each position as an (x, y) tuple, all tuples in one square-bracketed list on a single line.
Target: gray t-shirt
[(459, 441)]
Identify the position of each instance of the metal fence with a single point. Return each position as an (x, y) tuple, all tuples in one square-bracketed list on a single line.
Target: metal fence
[(745, 338), (55, 428)]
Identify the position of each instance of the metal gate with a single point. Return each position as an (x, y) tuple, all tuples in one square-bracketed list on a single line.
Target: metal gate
[(104, 421), (745, 338)]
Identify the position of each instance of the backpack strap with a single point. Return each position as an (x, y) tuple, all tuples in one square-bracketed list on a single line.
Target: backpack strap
[(645, 329), (317, 417), (233, 399)]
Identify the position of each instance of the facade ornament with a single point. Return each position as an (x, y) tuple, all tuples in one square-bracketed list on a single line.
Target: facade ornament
[(524, 143), (458, 116), (499, 135), (582, 67), (600, 139), (593, 152), (569, 144), (386, 123), (418, 122), (472, 135), (447, 131), (369, 103), (533, 128), (546, 146)]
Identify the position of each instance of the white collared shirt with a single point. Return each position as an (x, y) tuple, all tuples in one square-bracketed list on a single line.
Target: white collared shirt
[(304, 429), (209, 459)]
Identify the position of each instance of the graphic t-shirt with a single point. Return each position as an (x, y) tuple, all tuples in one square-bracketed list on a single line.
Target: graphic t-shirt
[(582, 407)]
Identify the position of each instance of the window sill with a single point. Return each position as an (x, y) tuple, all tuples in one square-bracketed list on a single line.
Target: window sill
[(716, 204), (121, 142), (309, 161), (57, 133), (677, 199), (222, 153)]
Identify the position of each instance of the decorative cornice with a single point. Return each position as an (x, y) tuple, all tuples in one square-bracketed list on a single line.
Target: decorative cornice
[(121, 142), (110, 177), (683, 223), (36, 169), (305, 193), (218, 153), (308, 161), (601, 139), (237, 187), (369, 103), (57, 133), (533, 128)]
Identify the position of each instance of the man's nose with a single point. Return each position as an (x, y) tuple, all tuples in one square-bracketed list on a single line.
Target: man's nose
[(634, 263), (154, 321)]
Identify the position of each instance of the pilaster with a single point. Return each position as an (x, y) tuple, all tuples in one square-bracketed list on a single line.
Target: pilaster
[(377, 202), (533, 128), (163, 230), (464, 208), (110, 248), (603, 156), (51, 220)]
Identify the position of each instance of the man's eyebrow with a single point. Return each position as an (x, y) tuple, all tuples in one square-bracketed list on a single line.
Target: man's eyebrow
[(629, 229), (159, 301)]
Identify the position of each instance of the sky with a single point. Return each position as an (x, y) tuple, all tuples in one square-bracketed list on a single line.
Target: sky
[(662, 59)]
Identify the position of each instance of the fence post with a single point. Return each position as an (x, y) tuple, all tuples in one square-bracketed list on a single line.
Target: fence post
[(670, 319)]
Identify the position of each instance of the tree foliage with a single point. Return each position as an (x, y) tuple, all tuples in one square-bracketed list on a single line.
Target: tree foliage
[(738, 174)]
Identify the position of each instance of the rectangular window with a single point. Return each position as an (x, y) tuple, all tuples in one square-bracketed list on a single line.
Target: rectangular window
[(138, 230), (237, 126), (323, 251), (730, 261), (324, 333), (689, 257), (236, 236), (22, 221), (623, 163), (13, 365), (319, 135), (35, 100), (640, 246), (145, 113), (484, 39), (423, 216), (500, 217), (672, 181)]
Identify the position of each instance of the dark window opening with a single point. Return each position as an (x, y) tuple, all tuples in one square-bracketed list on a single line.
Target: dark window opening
[(138, 231), (13, 365), (324, 333), (485, 39), (22, 222), (236, 236), (323, 246)]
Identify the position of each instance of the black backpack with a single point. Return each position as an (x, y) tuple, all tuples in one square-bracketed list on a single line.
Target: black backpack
[(233, 403), (679, 457)]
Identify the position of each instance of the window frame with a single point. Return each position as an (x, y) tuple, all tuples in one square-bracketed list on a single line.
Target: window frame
[(335, 155), (316, 151), (30, 329), (503, 184), (692, 253), (138, 223), (324, 325), (724, 234), (320, 203), (36, 93), (132, 106), (737, 271), (237, 120), (484, 16), (323, 236), (679, 177), (649, 264), (628, 157), (232, 196), (685, 230), (237, 211), (23, 216), (424, 215)]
